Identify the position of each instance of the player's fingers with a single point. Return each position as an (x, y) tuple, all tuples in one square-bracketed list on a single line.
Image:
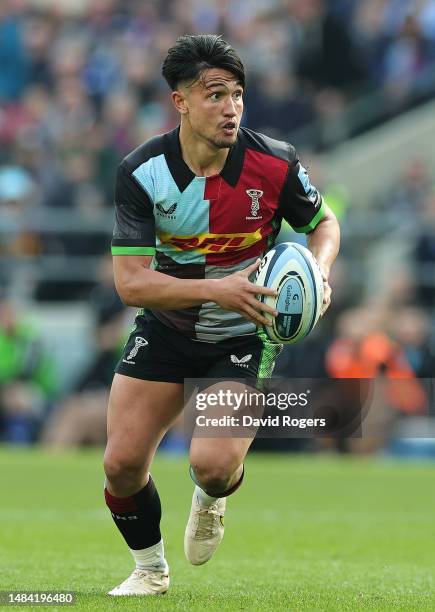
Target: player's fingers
[(250, 269), (263, 307), (255, 316), (324, 308), (262, 290), (326, 298)]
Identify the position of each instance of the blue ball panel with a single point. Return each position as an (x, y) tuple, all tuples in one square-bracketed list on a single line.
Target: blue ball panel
[(295, 283)]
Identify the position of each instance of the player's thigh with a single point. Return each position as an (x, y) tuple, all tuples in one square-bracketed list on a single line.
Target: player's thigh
[(139, 414)]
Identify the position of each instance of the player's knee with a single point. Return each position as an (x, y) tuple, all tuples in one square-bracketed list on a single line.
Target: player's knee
[(122, 469)]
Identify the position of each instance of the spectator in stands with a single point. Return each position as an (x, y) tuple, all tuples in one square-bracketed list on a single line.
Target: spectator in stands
[(411, 328), (13, 59), (81, 418), (27, 377), (424, 254), (410, 192), (17, 195), (104, 299), (363, 350)]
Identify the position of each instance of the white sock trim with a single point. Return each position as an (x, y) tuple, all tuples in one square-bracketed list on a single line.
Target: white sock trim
[(204, 500), (151, 558)]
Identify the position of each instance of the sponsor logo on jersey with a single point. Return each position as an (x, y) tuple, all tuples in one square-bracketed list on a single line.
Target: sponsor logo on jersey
[(139, 342), (255, 195), (168, 213), (242, 362), (211, 243)]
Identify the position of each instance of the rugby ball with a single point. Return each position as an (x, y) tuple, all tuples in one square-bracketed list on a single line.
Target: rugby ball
[(292, 270)]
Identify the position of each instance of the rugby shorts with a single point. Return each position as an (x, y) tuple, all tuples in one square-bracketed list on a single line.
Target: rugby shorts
[(156, 352)]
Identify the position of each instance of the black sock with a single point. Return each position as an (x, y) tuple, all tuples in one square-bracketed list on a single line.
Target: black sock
[(137, 516)]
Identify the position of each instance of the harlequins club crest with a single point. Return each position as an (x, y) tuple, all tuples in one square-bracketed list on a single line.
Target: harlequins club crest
[(139, 342), (255, 195)]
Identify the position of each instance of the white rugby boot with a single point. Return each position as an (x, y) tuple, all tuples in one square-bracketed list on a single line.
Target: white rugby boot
[(143, 582), (204, 530)]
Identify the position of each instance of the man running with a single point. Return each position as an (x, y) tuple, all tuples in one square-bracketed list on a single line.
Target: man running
[(195, 209)]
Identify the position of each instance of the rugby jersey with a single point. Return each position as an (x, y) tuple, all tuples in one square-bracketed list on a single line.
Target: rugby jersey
[(209, 227)]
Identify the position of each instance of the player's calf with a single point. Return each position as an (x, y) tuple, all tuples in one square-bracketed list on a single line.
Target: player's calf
[(138, 517)]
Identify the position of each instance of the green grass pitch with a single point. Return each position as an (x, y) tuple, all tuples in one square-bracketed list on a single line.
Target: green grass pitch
[(303, 533)]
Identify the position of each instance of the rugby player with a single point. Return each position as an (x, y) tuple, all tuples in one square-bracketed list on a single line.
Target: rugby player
[(195, 209)]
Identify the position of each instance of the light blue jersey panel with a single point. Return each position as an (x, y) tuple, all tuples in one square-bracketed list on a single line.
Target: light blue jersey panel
[(176, 213), (146, 176), (309, 189)]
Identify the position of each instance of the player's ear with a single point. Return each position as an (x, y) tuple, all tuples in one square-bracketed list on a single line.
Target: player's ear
[(179, 101)]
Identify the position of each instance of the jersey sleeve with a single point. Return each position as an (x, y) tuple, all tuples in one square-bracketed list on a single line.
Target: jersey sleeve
[(300, 202), (134, 231)]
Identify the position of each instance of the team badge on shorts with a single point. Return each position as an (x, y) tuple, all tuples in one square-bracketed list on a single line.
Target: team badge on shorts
[(139, 342)]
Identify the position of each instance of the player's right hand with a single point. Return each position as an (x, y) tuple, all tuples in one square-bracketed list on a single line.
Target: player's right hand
[(237, 293)]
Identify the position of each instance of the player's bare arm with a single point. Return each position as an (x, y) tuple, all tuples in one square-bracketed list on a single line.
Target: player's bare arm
[(324, 243), (140, 286)]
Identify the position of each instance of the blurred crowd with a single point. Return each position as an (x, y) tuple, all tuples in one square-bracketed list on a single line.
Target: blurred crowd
[(80, 86)]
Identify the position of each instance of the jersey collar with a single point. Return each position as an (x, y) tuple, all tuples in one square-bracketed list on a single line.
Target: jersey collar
[(183, 175)]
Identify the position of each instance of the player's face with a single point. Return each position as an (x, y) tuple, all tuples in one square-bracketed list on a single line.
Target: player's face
[(214, 107)]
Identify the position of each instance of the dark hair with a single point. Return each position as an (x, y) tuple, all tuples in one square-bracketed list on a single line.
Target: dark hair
[(193, 54)]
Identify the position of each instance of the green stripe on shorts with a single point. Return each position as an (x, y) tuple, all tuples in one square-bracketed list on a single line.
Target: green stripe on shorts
[(269, 354)]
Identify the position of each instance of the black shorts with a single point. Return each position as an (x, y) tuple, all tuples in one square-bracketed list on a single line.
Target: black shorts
[(156, 352)]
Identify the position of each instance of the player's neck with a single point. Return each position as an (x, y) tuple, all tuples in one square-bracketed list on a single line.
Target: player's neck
[(201, 157)]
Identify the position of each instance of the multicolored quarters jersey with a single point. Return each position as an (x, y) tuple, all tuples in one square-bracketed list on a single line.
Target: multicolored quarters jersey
[(209, 227)]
